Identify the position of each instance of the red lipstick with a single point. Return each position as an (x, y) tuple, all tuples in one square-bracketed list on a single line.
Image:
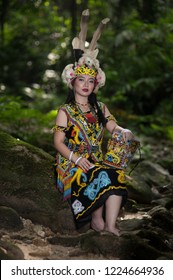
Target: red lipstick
[(85, 89)]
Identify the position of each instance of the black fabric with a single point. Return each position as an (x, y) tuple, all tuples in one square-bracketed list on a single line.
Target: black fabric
[(94, 195)]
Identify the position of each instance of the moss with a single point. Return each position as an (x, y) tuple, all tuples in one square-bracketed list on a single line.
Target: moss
[(139, 190), (9, 251), (27, 181), (9, 219)]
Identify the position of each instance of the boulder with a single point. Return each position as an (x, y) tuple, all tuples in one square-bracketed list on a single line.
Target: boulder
[(27, 183), (148, 182), (9, 251), (9, 219), (162, 217), (27, 186)]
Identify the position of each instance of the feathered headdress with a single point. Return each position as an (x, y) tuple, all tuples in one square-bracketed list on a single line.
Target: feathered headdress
[(85, 59)]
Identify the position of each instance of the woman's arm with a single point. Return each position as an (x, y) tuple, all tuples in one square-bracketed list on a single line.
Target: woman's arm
[(113, 127), (59, 137)]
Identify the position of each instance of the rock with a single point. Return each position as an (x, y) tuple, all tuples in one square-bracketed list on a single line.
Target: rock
[(126, 247), (166, 161), (152, 174), (166, 188), (40, 253), (156, 238), (65, 240), (166, 202), (39, 230), (9, 251), (27, 182), (100, 243), (65, 221), (29, 197), (139, 190), (39, 242), (131, 225), (130, 206), (162, 218), (9, 219), (158, 209), (147, 182), (132, 247)]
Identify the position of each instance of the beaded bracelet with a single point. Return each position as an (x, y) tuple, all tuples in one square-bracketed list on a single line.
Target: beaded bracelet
[(78, 159), (70, 157)]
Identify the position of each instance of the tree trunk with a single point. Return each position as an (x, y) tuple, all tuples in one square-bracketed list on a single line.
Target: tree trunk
[(3, 14)]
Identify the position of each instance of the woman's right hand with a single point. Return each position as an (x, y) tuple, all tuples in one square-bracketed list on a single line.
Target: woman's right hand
[(127, 134), (84, 164)]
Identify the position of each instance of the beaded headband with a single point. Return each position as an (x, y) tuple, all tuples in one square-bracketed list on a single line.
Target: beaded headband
[(85, 59), (79, 70)]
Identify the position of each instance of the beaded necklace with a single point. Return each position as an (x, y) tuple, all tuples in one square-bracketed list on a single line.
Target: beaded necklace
[(82, 104), (90, 115)]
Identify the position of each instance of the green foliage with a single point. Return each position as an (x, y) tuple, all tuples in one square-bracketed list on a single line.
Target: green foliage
[(27, 124), (33, 39), (135, 53), (142, 58)]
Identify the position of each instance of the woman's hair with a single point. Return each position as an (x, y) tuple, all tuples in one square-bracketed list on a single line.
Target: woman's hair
[(92, 101)]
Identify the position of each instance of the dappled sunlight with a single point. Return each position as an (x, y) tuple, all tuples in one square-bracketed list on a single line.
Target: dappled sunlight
[(139, 215), (2, 87)]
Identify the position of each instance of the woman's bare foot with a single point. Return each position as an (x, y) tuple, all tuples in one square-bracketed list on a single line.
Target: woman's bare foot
[(97, 222), (97, 225), (113, 230)]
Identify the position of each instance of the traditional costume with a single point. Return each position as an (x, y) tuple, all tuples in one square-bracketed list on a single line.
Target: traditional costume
[(83, 136)]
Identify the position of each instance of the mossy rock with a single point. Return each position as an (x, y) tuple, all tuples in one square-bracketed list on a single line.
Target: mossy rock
[(27, 182), (9, 219), (144, 177), (127, 247), (132, 247), (9, 251), (139, 190), (152, 173)]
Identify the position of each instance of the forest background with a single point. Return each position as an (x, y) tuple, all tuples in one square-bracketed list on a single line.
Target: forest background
[(136, 53)]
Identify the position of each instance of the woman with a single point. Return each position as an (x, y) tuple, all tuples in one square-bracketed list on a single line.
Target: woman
[(96, 191)]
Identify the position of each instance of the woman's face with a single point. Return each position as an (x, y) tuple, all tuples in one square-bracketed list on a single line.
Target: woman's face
[(84, 85)]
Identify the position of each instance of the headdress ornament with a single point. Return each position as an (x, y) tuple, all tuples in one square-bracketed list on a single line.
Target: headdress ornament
[(86, 61)]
